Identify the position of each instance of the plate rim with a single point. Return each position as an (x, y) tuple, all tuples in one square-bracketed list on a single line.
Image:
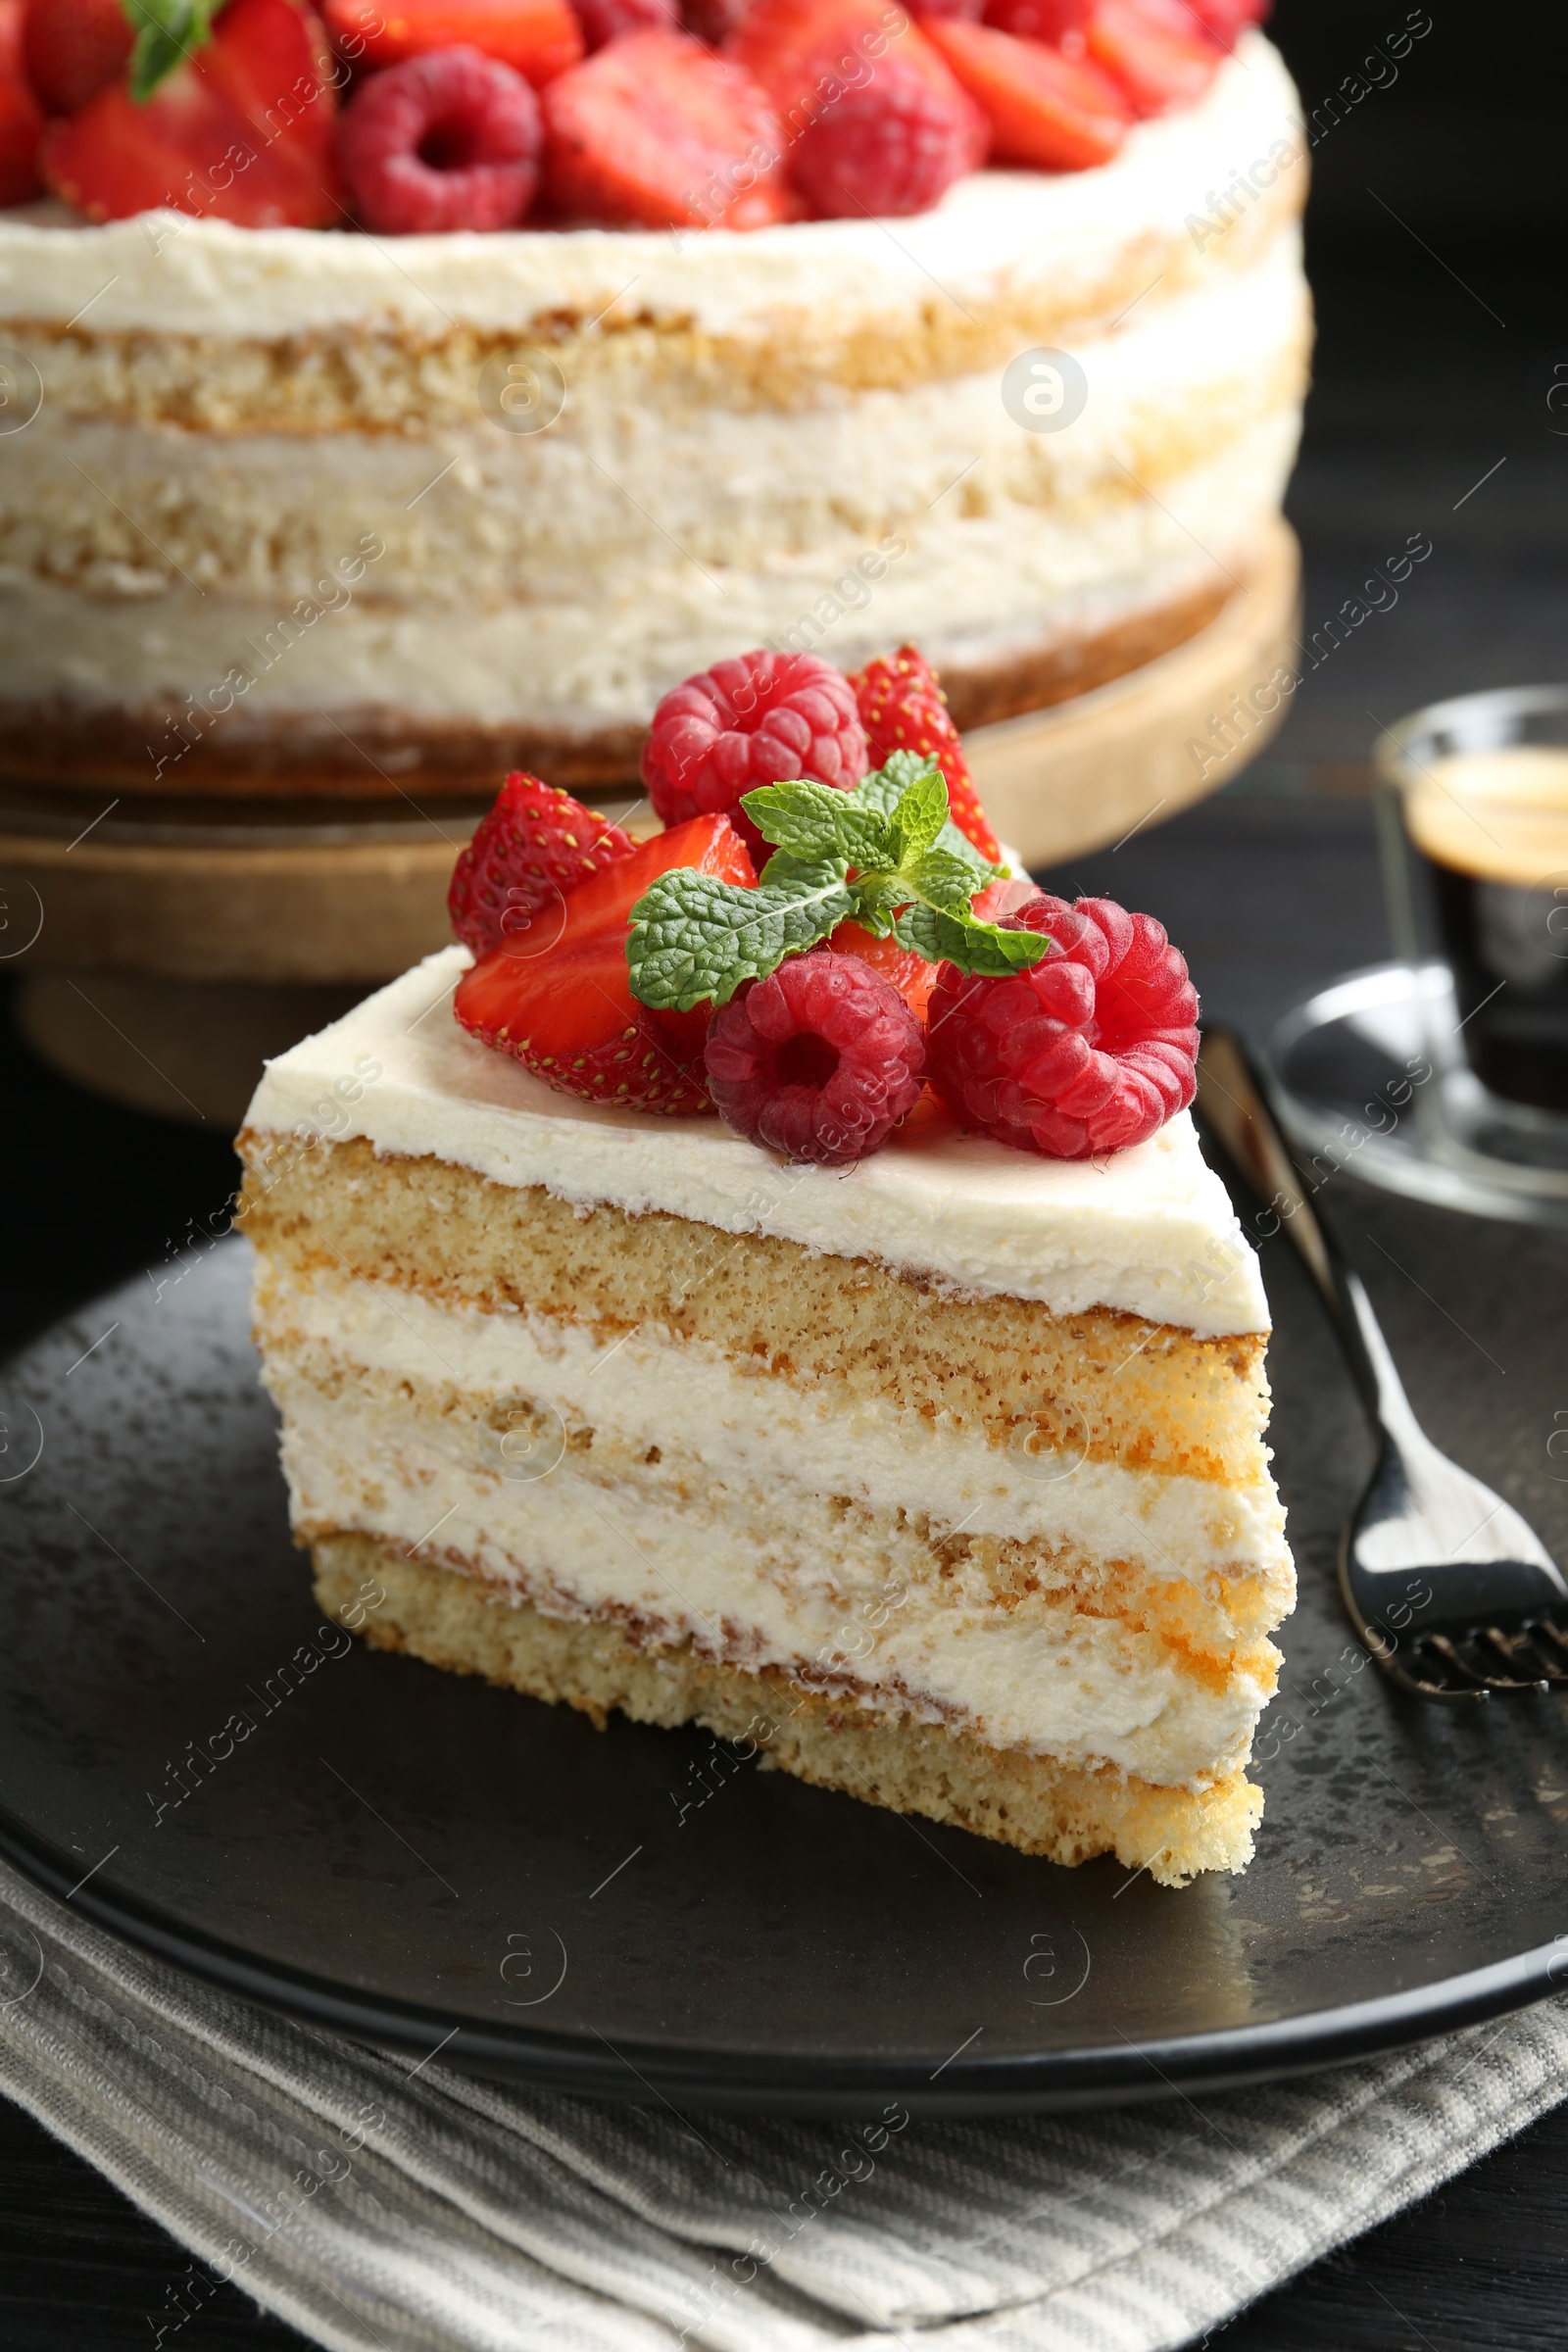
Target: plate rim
[(1232, 2057)]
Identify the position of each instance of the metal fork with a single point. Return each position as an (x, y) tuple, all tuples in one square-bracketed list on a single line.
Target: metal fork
[(1450, 1591)]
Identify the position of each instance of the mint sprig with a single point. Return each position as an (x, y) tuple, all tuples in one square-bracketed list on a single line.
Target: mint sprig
[(886, 854), (168, 32)]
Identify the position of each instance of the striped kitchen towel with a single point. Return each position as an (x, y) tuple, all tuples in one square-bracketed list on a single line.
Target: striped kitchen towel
[(375, 2202)]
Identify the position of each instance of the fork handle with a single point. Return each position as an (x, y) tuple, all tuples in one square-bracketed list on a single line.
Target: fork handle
[(1233, 1097)]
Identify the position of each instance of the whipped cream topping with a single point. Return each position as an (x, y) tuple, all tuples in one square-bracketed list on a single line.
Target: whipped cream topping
[(1149, 1231), (993, 230)]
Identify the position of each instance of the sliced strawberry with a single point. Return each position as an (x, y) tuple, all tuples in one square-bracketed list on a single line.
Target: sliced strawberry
[(903, 709), (74, 48), (657, 130), (910, 974), (538, 39), (535, 845), (808, 53), (20, 119), (1143, 46), (243, 132), (1050, 112), (569, 1015)]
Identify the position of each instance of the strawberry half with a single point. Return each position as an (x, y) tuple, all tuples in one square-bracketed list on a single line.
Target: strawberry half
[(21, 117), (537, 38), (1155, 49), (910, 974), (74, 48), (903, 709), (656, 130), (1050, 112), (536, 845), (241, 132), (569, 1014)]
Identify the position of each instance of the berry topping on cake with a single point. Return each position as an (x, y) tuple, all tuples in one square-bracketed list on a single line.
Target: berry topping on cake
[(824, 60), (21, 117), (604, 21), (1155, 49), (818, 1062), (896, 146), (656, 132), (1053, 113), (754, 720), (1089, 1052), (904, 968), (535, 845), (903, 709), (74, 49), (231, 125), (449, 141), (563, 1005), (539, 38)]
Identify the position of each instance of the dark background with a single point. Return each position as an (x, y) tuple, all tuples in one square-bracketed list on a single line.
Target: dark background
[(1436, 231)]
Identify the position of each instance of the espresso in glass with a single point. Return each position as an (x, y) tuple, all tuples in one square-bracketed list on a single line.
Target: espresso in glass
[(1490, 830)]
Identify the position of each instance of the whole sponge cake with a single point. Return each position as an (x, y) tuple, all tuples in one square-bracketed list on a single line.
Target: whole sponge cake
[(942, 1478), (303, 509)]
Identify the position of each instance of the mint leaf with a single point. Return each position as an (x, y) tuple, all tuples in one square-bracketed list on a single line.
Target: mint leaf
[(983, 949), (921, 815), (695, 938), (168, 32), (799, 815), (943, 880)]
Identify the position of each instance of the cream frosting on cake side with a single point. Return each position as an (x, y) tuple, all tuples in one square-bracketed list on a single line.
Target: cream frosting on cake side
[(1150, 1232), (259, 444)]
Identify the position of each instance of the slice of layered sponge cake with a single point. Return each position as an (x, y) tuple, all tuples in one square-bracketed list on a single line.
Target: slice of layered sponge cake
[(941, 1478)]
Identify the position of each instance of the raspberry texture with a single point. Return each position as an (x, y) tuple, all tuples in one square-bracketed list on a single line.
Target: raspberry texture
[(537, 844), (1089, 1052), (602, 19), (449, 141), (893, 147), (903, 709), (758, 719), (818, 1062)]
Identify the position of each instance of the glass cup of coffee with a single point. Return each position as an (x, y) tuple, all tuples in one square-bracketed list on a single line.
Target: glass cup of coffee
[(1473, 804)]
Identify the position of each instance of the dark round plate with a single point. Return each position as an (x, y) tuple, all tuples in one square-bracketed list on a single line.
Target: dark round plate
[(416, 1858)]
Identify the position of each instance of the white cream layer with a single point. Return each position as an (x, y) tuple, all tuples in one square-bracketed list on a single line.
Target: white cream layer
[(767, 1435), (603, 630), (1149, 1231), (994, 231), (1047, 1680)]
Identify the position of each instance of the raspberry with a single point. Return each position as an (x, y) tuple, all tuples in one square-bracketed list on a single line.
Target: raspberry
[(602, 19), (537, 844), (904, 709), (758, 719), (894, 146), (448, 140), (820, 1061), (1088, 1053), (970, 11)]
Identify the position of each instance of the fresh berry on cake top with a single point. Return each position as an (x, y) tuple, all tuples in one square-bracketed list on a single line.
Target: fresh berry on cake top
[(867, 939)]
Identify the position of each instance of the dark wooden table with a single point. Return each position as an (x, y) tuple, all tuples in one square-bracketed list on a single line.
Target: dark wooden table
[(1268, 890)]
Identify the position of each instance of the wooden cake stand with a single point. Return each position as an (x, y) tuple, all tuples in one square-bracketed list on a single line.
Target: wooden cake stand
[(166, 949)]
